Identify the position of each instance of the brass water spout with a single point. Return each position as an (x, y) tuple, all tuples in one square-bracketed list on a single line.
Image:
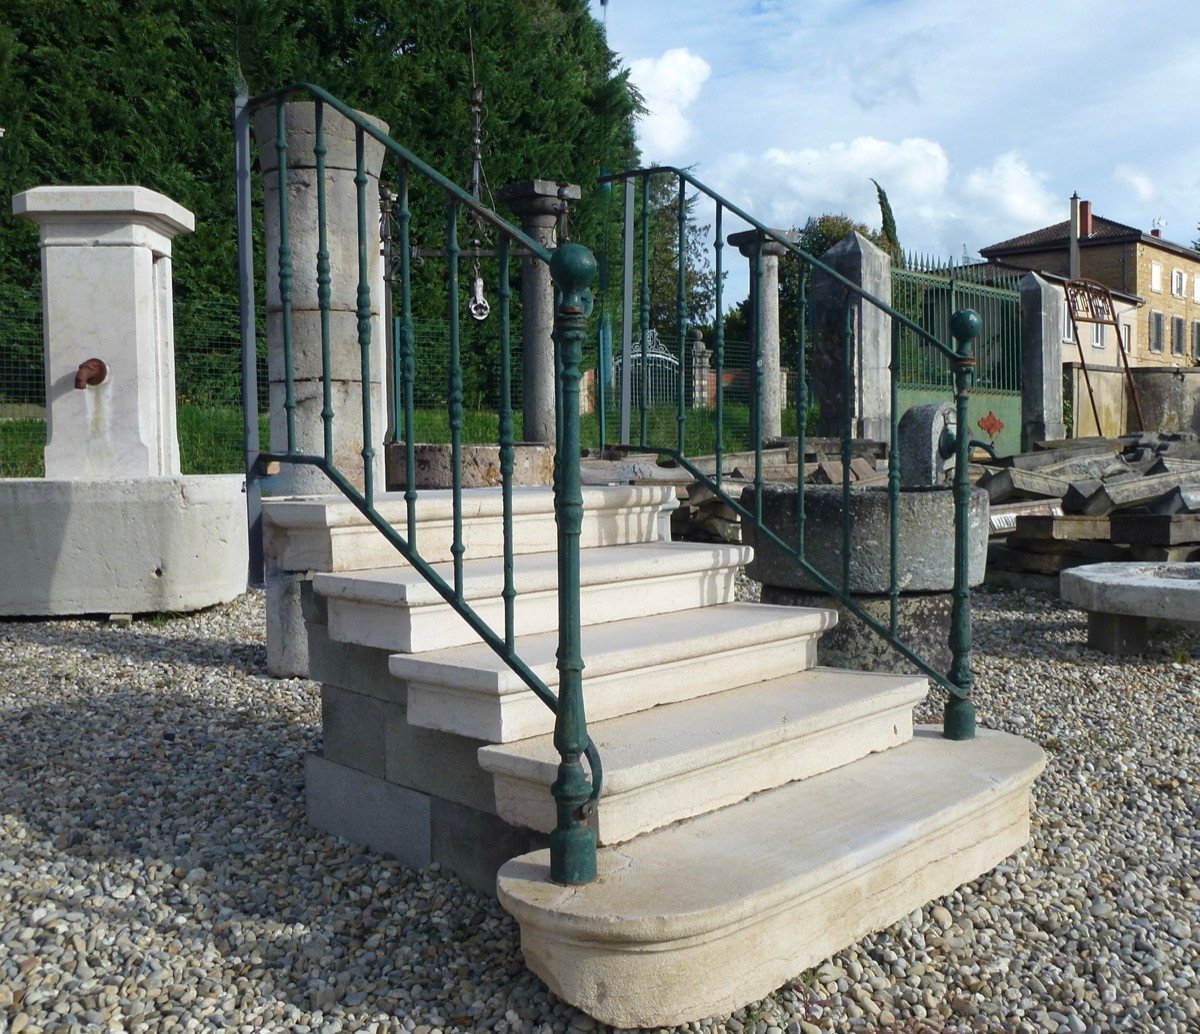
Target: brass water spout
[(93, 371)]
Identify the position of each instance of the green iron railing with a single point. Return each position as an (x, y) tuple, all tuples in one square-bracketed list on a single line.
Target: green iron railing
[(956, 366), (572, 268)]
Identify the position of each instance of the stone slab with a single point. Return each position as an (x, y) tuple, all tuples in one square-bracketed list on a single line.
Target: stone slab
[(700, 918), (1167, 592), (631, 665), (395, 608), (1156, 529), (1067, 527), (679, 760), (327, 533), (1118, 634), (121, 546)]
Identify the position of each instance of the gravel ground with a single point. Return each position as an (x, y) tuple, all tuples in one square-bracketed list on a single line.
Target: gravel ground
[(156, 871)]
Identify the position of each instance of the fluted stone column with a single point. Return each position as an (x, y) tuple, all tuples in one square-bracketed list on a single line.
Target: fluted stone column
[(342, 229), (764, 305), (537, 204)]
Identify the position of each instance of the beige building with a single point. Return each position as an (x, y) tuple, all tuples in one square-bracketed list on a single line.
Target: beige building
[(1165, 331)]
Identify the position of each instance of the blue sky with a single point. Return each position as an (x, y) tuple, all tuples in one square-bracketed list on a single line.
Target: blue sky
[(979, 118)]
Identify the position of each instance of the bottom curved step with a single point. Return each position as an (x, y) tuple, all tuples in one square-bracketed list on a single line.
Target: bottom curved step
[(702, 917)]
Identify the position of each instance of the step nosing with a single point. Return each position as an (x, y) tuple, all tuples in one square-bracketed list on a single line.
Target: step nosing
[(958, 790), (502, 759)]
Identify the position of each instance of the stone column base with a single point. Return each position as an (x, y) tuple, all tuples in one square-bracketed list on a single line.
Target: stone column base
[(924, 622)]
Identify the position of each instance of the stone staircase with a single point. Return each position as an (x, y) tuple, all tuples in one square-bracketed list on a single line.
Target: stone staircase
[(759, 811)]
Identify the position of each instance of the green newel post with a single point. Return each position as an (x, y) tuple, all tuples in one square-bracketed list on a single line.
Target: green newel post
[(959, 719), (573, 842)]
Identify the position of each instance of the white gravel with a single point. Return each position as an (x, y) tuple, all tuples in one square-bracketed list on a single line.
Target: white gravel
[(156, 872)]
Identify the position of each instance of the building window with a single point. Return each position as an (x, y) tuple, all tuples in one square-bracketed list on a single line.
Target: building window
[(1196, 339), (1126, 336), (1067, 334), (1179, 283), (1157, 330), (1196, 288), (1097, 335), (1156, 277), (1178, 341)]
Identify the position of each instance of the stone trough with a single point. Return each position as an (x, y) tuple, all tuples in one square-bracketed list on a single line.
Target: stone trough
[(1122, 599)]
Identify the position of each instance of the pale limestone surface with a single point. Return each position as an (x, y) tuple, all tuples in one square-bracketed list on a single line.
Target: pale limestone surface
[(1167, 592), (707, 915), (106, 292), (327, 533), (679, 760), (631, 665), (129, 546), (395, 608)]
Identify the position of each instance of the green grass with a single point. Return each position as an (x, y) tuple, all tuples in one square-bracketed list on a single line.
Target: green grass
[(210, 437), (21, 445)]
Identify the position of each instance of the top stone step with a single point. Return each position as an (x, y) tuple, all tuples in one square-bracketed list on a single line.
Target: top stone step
[(328, 533)]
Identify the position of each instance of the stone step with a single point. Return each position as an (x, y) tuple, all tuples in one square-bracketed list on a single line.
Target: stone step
[(327, 533), (631, 665), (702, 917), (695, 756), (394, 608)]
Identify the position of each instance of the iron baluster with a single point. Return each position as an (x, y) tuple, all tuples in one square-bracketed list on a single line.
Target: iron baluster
[(324, 281), (573, 842), (847, 433), (681, 314), (509, 592), (801, 402), (364, 317), (408, 364), (894, 484), (455, 394), (719, 349), (285, 277), (756, 408), (959, 719), (643, 375)]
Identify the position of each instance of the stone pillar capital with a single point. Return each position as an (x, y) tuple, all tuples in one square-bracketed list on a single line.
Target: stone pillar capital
[(537, 202), (745, 241), (88, 217)]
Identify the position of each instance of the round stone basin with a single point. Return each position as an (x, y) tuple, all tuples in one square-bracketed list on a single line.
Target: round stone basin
[(925, 519), (1169, 592)]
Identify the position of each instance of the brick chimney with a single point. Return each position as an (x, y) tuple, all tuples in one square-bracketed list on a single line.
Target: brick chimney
[(1073, 238), (1156, 232), (1085, 219)]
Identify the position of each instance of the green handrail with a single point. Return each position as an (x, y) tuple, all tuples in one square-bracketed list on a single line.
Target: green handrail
[(959, 722), (572, 267)]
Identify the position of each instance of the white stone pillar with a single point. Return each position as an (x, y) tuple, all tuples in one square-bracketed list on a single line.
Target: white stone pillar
[(1043, 315), (342, 228), (765, 306), (537, 204), (106, 294)]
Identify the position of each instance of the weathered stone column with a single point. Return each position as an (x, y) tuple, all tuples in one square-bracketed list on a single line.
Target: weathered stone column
[(106, 293), (342, 228), (765, 306), (537, 204), (1043, 312), (700, 370), (869, 267)]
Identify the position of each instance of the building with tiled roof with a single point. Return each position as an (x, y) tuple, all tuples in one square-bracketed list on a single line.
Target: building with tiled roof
[(1166, 329)]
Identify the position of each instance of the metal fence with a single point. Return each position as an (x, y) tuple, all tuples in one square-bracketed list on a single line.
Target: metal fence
[(928, 292)]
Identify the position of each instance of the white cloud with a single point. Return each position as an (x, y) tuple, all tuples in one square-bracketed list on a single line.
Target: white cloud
[(1136, 180), (937, 206), (669, 85), (1008, 190)]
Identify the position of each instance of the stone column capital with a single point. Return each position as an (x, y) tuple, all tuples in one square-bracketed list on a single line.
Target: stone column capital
[(745, 241), (537, 202), (89, 217)]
